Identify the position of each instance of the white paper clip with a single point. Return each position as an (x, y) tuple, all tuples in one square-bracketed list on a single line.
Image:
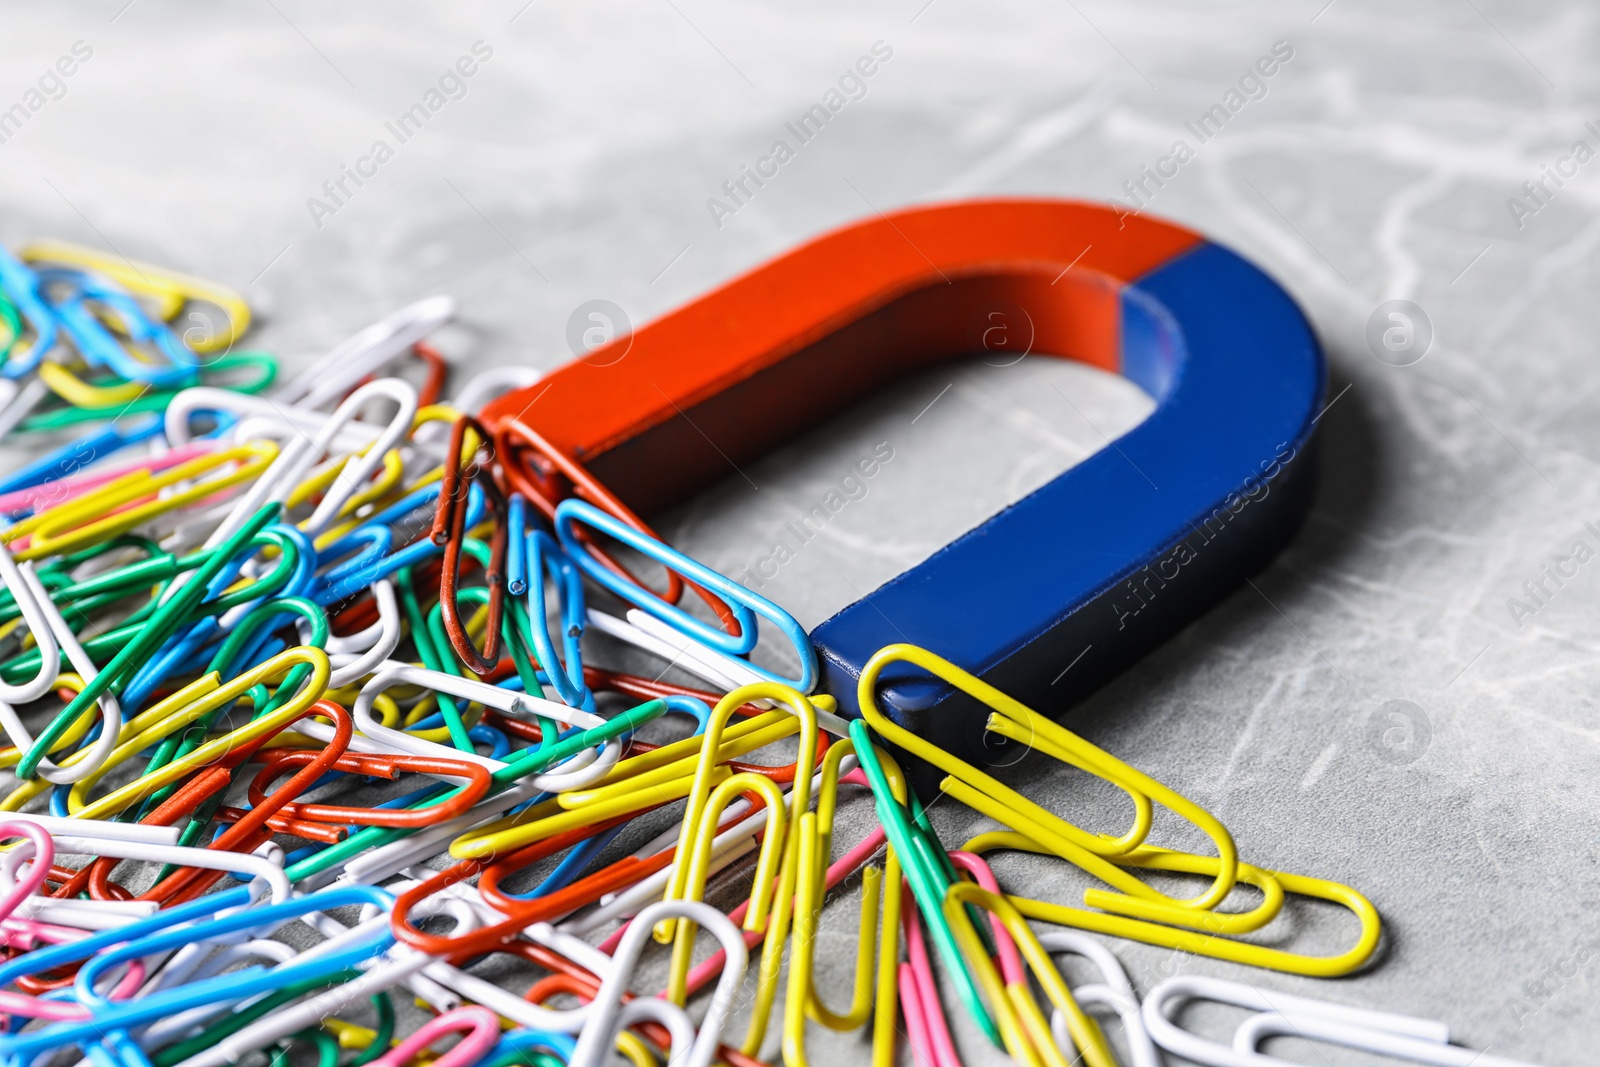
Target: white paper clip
[(1385, 1033), (366, 352)]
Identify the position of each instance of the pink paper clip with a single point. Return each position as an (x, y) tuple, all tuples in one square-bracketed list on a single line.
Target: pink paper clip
[(59, 492)]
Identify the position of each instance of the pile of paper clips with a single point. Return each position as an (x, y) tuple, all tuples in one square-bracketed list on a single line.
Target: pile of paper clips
[(234, 610)]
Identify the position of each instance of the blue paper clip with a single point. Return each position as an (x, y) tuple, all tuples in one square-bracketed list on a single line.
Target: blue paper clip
[(100, 347), (567, 674), (745, 603), (71, 458), (21, 286), (342, 582), (180, 650), (172, 929)]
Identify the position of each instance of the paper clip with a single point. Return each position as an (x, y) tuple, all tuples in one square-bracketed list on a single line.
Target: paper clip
[(291, 465), (171, 289), (698, 860), (449, 528), (482, 1032), (188, 705), (1384, 1033), (532, 556), (929, 881), (1136, 904), (150, 636), (54, 639), (599, 1031), (118, 506), (21, 288), (1114, 993), (90, 403), (581, 769), (366, 352), (70, 294), (744, 603), (246, 416), (43, 496), (1022, 1025), (549, 475), (803, 1000), (39, 625)]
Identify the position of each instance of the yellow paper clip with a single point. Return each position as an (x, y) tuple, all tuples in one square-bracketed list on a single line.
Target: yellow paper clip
[(699, 865), (1022, 1024), (1139, 912), (988, 795), (815, 846), (120, 505), (170, 290), (188, 705)]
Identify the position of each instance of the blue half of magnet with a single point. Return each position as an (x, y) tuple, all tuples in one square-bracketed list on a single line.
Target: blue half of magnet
[(1064, 589)]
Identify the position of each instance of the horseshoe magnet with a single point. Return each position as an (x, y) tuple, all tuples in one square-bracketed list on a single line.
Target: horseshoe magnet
[(1070, 585)]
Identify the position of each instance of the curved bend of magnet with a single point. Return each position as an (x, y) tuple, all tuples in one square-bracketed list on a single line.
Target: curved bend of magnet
[(1058, 592)]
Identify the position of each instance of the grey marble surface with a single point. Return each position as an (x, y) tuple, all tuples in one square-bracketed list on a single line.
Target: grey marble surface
[(1377, 164)]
